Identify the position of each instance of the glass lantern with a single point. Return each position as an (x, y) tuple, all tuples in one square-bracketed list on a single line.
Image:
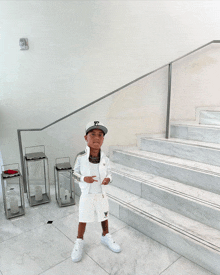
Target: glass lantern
[(64, 185), (12, 190), (37, 175)]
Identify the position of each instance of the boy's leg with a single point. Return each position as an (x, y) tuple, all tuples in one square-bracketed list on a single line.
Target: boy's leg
[(104, 227), (77, 252), (81, 230), (107, 239)]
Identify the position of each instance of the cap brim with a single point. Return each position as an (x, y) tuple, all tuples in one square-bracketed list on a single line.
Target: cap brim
[(100, 127)]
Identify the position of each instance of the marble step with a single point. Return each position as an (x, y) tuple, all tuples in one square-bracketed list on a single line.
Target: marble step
[(193, 240), (196, 132), (189, 201), (202, 152), (209, 117), (200, 175)]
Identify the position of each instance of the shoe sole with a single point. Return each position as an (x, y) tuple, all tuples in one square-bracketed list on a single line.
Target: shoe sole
[(116, 251), (76, 260)]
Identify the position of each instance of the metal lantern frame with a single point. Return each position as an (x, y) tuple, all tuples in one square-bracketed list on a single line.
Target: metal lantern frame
[(37, 157), (4, 180), (61, 168)]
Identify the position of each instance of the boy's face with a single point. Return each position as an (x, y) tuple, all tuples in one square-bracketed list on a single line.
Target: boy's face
[(95, 139)]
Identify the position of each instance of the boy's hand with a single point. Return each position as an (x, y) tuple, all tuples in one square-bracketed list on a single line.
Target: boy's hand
[(89, 179), (106, 181)]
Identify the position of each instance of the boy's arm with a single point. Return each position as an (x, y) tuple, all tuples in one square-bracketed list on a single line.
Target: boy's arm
[(76, 170), (108, 177), (109, 173)]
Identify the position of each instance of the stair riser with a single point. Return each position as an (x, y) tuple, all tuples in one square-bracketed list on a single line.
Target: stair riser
[(190, 249), (195, 133), (185, 151), (209, 118), (127, 184), (114, 208), (195, 178), (180, 204), (189, 208)]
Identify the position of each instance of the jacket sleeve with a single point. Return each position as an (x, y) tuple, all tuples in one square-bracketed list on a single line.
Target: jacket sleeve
[(76, 174), (109, 173), (76, 170)]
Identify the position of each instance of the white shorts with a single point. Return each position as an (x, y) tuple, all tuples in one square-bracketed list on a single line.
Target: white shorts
[(92, 204)]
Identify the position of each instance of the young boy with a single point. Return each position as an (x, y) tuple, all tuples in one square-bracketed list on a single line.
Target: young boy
[(92, 170)]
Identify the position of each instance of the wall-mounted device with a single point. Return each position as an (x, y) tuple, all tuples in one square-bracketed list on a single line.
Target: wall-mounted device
[(23, 43)]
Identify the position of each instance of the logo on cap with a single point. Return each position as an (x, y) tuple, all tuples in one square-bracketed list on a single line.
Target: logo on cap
[(96, 123)]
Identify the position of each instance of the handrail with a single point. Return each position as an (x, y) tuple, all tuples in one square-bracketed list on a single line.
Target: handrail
[(107, 95)]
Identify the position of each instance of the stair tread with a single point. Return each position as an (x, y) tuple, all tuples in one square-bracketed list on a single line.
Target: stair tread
[(208, 145), (209, 117), (210, 111), (180, 189), (196, 125), (191, 228), (209, 169)]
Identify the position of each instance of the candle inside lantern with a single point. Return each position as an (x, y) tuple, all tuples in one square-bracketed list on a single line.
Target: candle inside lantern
[(67, 196), (14, 205), (64, 195), (38, 193)]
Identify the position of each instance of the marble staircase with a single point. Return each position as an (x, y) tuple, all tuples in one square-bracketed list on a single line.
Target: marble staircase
[(198, 151), (170, 190), (210, 117), (201, 132)]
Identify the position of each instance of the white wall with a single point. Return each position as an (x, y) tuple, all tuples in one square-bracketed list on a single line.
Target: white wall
[(81, 50), (138, 109), (196, 85)]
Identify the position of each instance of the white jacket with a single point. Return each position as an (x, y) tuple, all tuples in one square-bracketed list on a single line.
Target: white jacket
[(82, 169)]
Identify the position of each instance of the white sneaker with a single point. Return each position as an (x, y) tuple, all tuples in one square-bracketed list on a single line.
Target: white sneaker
[(110, 243), (77, 250)]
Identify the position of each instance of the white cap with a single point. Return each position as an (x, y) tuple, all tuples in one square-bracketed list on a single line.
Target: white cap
[(96, 125)]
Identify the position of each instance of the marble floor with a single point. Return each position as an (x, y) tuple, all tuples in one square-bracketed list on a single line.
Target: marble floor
[(31, 246)]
